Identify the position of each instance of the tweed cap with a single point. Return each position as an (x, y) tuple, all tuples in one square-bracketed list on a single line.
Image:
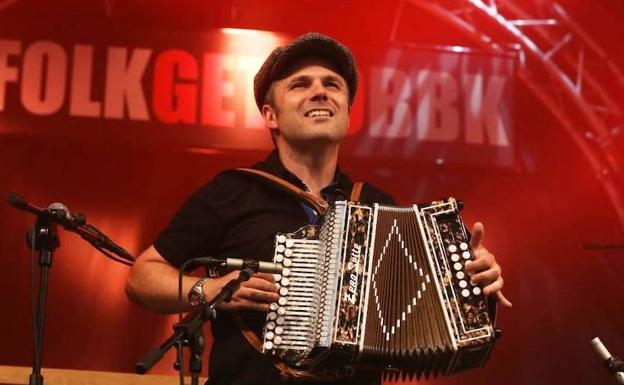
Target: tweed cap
[(311, 44)]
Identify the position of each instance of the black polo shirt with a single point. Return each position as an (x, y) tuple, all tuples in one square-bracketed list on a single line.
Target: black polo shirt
[(237, 215)]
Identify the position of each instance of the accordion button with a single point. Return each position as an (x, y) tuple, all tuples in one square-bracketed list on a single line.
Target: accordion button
[(271, 325), (460, 275), (278, 258), (272, 316), (279, 330), (285, 272), (463, 246), (281, 238), (282, 301), (278, 340), (288, 252), (281, 320), (463, 284), (465, 293), (466, 255), (280, 248), (458, 266), (269, 335), (287, 262), (283, 291), (277, 277), (455, 257), (273, 306), (281, 311), (476, 290), (290, 243), (452, 248), (285, 281), (268, 345)]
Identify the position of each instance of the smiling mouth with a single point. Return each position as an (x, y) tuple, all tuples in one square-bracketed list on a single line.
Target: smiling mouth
[(319, 112)]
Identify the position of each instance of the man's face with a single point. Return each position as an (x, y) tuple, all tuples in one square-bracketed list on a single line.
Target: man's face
[(311, 106)]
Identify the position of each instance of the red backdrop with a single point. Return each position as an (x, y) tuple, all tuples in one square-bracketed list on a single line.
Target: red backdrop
[(538, 213)]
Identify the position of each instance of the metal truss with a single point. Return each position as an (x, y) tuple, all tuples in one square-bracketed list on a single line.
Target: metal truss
[(560, 63)]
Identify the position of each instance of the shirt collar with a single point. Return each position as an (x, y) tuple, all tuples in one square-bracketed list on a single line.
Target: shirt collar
[(338, 189)]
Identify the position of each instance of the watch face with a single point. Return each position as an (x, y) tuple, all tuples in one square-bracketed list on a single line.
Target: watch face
[(195, 298)]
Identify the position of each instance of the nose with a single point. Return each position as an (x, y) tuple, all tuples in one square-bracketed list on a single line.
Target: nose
[(319, 92)]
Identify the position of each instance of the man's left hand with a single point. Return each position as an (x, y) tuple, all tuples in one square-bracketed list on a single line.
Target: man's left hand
[(483, 269)]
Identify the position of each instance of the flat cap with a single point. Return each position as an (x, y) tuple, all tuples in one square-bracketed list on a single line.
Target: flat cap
[(311, 44)]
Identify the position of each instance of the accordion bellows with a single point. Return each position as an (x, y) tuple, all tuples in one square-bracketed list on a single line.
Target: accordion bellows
[(379, 286)]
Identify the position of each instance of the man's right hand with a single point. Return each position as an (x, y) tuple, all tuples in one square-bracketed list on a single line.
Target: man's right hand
[(255, 294)]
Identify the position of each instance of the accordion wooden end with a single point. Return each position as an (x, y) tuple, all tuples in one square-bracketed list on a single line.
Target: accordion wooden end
[(379, 286)]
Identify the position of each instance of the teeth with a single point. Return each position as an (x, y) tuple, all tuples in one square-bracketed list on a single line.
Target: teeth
[(314, 113)]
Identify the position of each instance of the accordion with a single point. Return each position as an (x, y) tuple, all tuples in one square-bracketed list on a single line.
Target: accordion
[(379, 286)]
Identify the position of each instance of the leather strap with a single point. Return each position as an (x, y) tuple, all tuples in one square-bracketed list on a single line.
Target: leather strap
[(319, 204), (356, 191)]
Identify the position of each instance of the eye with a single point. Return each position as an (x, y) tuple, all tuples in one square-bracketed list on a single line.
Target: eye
[(297, 84)]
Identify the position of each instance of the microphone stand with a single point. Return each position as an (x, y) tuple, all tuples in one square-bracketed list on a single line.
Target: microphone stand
[(43, 238), (189, 332)]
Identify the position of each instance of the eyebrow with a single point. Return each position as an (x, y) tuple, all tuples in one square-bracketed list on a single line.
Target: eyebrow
[(307, 78)]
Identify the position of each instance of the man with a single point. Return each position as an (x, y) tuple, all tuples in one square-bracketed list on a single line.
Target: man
[(304, 92)]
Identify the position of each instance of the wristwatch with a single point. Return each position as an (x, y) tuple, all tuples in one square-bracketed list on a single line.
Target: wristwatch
[(196, 294)]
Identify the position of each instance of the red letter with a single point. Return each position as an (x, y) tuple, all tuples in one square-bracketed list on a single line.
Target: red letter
[(172, 102)]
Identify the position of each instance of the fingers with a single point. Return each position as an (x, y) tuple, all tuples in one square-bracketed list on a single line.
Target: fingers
[(254, 294), (476, 235), (502, 299)]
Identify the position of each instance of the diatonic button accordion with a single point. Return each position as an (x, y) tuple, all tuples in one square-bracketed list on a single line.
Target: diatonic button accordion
[(379, 286)]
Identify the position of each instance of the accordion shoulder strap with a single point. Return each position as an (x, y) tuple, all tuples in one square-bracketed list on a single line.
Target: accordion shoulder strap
[(356, 191), (319, 204)]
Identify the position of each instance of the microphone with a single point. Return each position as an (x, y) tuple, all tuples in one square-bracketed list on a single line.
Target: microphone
[(239, 264), (613, 364)]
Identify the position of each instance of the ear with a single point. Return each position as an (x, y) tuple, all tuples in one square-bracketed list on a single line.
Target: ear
[(269, 114)]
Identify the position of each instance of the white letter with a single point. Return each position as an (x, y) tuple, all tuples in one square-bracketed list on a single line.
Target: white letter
[(123, 83), (437, 117), (390, 115), (80, 103), (7, 74), (39, 96), (482, 112)]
